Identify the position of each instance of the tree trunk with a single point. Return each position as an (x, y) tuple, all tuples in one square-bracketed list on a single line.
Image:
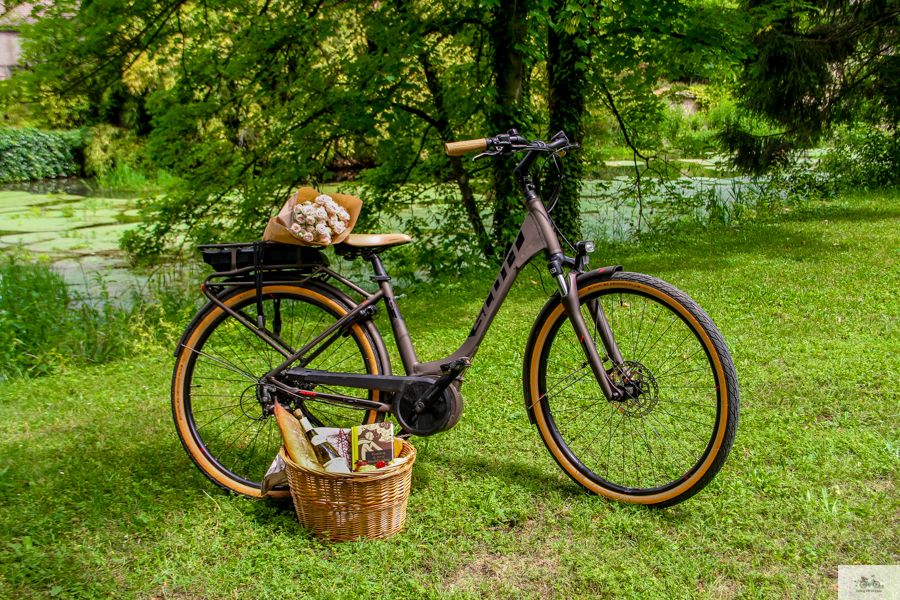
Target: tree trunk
[(456, 164), (508, 29), (567, 85)]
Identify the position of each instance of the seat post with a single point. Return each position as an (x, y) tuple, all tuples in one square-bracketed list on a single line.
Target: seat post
[(401, 333), (377, 266)]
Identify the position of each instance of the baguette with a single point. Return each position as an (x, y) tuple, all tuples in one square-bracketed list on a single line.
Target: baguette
[(295, 442)]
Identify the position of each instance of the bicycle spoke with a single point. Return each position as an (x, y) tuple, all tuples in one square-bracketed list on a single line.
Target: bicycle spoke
[(222, 364), (554, 391), (639, 354), (683, 361), (220, 379), (675, 437), (208, 423), (228, 326), (700, 370), (216, 408), (237, 437), (688, 429)]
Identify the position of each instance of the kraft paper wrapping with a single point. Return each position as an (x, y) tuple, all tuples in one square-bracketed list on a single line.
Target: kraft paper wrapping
[(278, 229)]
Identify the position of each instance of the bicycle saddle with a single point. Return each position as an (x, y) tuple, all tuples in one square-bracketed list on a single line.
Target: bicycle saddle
[(370, 243)]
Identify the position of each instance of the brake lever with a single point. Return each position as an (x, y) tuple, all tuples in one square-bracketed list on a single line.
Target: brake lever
[(488, 153)]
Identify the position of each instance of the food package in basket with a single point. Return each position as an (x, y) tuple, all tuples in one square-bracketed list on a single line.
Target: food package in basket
[(309, 218)]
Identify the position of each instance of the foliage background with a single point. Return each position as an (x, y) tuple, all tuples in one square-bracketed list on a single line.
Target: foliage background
[(243, 101)]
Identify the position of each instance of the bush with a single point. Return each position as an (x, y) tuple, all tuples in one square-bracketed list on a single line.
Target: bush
[(864, 157), (110, 148), (47, 327), (117, 158), (27, 154)]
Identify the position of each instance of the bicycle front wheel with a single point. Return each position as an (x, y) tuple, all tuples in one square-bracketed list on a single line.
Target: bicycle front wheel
[(672, 433), (223, 414)]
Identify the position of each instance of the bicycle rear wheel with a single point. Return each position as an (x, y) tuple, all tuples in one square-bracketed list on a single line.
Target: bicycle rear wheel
[(671, 435), (222, 413)]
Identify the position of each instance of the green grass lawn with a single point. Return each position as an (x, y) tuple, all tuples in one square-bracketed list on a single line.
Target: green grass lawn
[(98, 499)]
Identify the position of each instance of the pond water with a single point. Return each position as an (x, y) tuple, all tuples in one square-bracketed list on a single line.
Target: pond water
[(73, 226)]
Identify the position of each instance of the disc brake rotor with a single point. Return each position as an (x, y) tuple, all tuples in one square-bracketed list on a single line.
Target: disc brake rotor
[(641, 389)]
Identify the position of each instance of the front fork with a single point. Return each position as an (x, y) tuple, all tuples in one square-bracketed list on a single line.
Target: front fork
[(571, 303)]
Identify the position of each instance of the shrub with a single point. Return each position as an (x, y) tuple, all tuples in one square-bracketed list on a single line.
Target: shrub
[(110, 148), (27, 154), (864, 157)]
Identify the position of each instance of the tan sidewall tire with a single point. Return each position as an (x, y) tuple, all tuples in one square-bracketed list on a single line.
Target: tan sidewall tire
[(544, 427), (194, 450)]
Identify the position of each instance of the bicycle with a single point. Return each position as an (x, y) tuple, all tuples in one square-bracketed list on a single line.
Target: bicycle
[(636, 398)]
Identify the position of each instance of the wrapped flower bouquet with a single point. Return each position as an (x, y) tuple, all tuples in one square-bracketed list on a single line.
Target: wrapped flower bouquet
[(319, 221), (309, 218)]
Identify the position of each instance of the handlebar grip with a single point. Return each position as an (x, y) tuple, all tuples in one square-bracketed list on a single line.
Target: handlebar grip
[(465, 146)]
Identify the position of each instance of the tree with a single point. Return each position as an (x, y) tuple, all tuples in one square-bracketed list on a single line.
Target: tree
[(567, 77), (815, 64), (510, 107), (618, 53), (247, 99)]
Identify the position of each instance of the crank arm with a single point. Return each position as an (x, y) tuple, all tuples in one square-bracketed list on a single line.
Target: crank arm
[(450, 371)]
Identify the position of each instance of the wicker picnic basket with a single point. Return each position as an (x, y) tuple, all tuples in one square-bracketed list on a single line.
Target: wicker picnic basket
[(347, 507)]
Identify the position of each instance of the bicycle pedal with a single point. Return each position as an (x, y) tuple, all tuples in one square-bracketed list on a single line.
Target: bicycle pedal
[(456, 366)]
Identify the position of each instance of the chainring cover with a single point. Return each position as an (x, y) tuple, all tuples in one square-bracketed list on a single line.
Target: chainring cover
[(441, 416)]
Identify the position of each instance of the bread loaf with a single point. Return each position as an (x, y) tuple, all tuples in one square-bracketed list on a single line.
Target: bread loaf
[(298, 447)]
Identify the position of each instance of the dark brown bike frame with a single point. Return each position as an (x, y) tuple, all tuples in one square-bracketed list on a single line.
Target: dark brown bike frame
[(535, 235)]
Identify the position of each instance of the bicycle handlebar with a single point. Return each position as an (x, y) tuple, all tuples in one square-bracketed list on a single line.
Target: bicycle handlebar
[(466, 146), (506, 145)]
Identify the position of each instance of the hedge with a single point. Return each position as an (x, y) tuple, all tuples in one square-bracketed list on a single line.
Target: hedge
[(27, 154)]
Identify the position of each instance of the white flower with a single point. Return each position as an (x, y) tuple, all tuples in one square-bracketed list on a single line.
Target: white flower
[(307, 208), (339, 228), (325, 239), (323, 199), (311, 228), (308, 237), (295, 227), (322, 228), (342, 213), (334, 220), (310, 220), (332, 207), (321, 213)]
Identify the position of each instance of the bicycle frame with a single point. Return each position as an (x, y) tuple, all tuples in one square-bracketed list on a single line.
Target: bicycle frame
[(535, 235)]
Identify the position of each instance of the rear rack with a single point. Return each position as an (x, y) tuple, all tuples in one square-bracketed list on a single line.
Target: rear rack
[(226, 258)]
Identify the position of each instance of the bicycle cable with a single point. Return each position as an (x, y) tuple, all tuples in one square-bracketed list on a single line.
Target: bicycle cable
[(541, 277), (552, 154), (554, 195)]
